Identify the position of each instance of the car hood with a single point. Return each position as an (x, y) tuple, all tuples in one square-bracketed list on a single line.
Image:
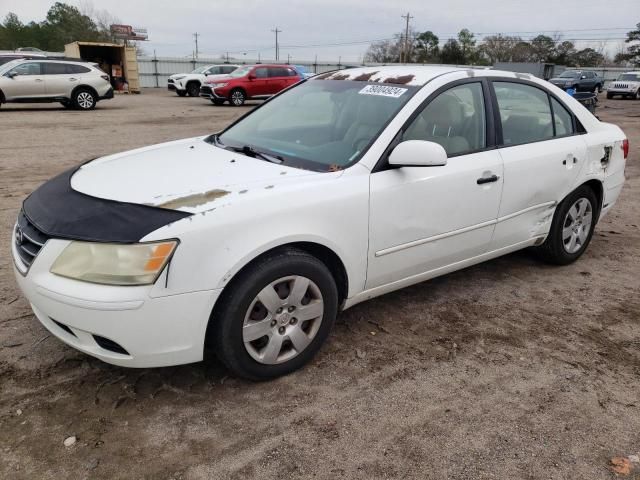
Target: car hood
[(188, 175), (186, 75)]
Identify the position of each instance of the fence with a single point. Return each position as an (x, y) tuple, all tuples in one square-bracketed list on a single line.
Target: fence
[(155, 71)]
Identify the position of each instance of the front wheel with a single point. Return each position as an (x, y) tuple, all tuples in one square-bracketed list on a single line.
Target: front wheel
[(275, 315), (571, 228), (181, 93), (637, 96), (609, 96), (84, 100), (193, 89), (237, 97)]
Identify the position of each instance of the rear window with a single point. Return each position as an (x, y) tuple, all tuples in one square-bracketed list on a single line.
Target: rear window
[(71, 68), (55, 69)]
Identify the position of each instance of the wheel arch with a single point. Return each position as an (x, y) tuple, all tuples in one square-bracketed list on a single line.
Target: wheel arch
[(242, 89), (2, 97), (322, 252), (85, 87), (598, 189)]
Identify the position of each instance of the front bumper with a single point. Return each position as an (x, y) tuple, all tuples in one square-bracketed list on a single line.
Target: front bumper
[(126, 326), (208, 92)]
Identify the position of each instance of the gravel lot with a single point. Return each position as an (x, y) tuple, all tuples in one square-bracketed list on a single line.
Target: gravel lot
[(507, 370)]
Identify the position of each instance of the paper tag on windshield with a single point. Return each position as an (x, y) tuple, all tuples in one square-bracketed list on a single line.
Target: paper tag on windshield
[(382, 90)]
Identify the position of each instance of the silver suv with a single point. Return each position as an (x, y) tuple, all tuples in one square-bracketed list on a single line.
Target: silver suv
[(77, 85)]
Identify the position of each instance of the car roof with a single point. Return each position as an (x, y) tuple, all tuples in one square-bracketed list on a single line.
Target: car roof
[(414, 75)]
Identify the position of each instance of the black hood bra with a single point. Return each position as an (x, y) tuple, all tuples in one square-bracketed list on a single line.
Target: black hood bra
[(58, 211)]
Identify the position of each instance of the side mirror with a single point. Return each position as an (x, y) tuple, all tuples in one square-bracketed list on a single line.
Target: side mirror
[(418, 153), (12, 74)]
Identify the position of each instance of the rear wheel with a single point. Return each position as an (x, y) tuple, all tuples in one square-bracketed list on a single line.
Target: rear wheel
[(84, 99), (571, 228), (275, 315), (193, 89), (181, 93), (237, 97)]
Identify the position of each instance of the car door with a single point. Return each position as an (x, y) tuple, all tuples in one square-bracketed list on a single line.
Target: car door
[(425, 218), (257, 86), (277, 79), (58, 82), (542, 158), (27, 83)]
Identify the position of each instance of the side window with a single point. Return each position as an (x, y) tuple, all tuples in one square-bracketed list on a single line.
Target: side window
[(31, 68), (562, 119), (212, 71), (524, 112), (77, 68), (455, 119), (54, 68), (590, 75), (291, 72), (261, 72), (278, 72), (228, 69)]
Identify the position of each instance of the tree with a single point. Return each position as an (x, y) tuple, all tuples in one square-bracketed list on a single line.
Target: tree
[(12, 32), (587, 57), (426, 48), (451, 53), (543, 49), (632, 55), (467, 43), (385, 51), (500, 48), (563, 54)]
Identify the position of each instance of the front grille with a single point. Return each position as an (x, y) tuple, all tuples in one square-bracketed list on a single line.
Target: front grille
[(28, 240), (110, 345)]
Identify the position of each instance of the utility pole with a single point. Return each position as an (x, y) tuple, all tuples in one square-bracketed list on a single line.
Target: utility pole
[(196, 35), (407, 17), (276, 31)]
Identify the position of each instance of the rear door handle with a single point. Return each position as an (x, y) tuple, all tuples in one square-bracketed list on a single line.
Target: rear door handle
[(483, 180)]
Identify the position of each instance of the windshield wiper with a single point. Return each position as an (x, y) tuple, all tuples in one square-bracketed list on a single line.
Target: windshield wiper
[(249, 151)]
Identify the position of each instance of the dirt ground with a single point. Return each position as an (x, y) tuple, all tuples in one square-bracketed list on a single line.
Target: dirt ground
[(507, 370)]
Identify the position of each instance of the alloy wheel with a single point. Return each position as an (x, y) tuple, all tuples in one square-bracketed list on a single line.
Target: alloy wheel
[(237, 98), (577, 225), (85, 100), (282, 319)]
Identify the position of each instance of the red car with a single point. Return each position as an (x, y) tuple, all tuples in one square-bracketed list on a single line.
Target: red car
[(249, 83)]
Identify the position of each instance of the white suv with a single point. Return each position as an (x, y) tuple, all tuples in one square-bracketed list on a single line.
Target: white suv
[(74, 84), (189, 83), (627, 85)]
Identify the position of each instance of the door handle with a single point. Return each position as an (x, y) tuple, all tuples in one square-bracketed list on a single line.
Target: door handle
[(483, 180), (570, 158), (38, 79)]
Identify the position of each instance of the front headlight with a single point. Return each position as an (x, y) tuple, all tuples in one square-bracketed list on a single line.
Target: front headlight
[(179, 77), (219, 85), (114, 264)]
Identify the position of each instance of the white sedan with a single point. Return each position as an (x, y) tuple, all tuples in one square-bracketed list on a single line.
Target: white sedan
[(344, 187)]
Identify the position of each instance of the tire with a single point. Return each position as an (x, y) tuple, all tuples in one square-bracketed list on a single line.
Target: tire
[(84, 99), (572, 227), (66, 104), (181, 93), (609, 96), (268, 350), (237, 97), (637, 96), (193, 89), (599, 87), (216, 101)]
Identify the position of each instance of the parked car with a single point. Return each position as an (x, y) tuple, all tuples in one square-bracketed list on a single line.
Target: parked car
[(256, 82), (189, 83), (74, 84), (303, 71), (578, 80), (345, 187), (627, 86)]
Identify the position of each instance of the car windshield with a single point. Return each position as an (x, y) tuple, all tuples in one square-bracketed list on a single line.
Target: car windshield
[(8, 63), (569, 74), (201, 69), (629, 77), (240, 72), (319, 125)]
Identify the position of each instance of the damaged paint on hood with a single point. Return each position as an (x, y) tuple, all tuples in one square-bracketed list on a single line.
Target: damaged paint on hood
[(187, 175)]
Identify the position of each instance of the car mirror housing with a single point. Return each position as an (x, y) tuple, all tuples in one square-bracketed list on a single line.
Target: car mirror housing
[(12, 74), (418, 153)]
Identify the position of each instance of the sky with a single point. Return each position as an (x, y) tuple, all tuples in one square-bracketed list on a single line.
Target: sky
[(311, 28)]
